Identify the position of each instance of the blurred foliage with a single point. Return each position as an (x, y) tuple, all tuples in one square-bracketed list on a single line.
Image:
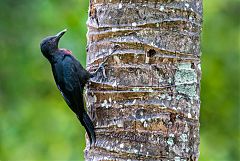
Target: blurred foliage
[(35, 122), (220, 93)]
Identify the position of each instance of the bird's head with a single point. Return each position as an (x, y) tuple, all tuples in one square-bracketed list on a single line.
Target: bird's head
[(50, 44)]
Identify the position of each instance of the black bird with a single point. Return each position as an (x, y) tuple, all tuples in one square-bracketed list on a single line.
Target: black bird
[(70, 77)]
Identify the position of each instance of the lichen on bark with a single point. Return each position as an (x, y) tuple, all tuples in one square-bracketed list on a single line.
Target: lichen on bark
[(147, 107)]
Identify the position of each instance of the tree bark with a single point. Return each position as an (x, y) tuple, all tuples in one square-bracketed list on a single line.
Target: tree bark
[(147, 106)]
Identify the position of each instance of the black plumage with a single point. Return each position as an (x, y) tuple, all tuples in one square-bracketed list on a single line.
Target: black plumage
[(70, 78)]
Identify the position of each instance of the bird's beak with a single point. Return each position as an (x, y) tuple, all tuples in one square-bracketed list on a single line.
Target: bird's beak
[(60, 34)]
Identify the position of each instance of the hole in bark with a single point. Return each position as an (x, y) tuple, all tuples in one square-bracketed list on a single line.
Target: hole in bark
[(192, 65), (116, 47), (192, 158), (151, 53), (140, 113), (173, 117), (155, 67)]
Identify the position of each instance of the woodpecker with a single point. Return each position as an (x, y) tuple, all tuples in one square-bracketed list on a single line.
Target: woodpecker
[(71, 78)]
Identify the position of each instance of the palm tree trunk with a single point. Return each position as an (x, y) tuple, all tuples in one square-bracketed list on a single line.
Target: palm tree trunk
[(147, 106)]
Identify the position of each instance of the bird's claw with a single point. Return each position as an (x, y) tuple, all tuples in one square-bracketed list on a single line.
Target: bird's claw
[(101, 69), (104, 72)]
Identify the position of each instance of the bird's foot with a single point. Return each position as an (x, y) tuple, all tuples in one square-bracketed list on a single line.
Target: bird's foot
[(102, 65), (101, 69)]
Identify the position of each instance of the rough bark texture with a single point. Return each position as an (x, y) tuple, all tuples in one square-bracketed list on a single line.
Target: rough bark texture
[(147, 107)]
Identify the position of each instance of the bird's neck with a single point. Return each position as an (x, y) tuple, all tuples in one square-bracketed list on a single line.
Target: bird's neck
[(57, 55), (65, 51)]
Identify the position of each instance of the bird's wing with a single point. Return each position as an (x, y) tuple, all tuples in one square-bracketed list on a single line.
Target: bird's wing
[(71, 89), (74, 75), (70, 74)]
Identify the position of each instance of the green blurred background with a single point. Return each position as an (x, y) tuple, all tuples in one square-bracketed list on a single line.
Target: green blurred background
[(36, 125)]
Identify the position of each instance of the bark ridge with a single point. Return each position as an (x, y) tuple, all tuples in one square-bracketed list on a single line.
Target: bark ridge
[(147, 107)]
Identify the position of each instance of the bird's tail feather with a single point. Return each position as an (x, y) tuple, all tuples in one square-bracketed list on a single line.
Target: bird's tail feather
[(88, 124)]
